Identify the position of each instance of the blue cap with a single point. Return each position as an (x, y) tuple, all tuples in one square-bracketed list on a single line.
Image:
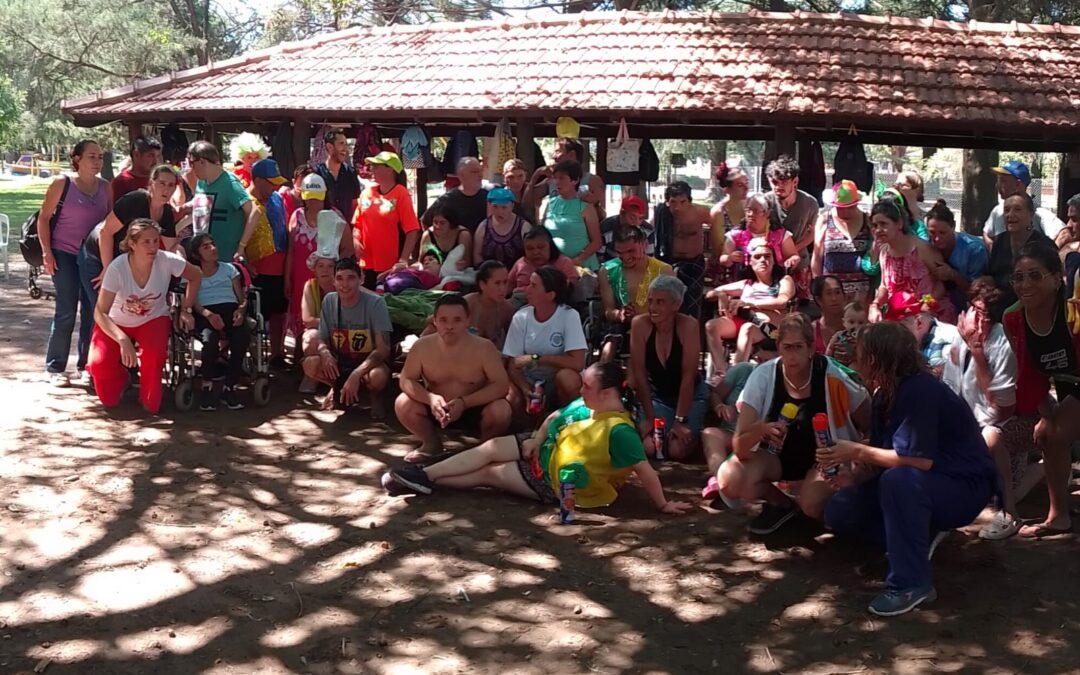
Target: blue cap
[(1017, 170), (500, 195), (268, 169)]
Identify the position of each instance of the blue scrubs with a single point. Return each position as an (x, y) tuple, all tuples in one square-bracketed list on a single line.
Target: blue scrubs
[(970, 258), (903, 508)]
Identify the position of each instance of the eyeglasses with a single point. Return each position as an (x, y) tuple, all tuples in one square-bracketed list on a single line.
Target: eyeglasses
[(1034, 276)]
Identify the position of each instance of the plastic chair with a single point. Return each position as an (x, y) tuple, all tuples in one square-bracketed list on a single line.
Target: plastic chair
[(5, 237)]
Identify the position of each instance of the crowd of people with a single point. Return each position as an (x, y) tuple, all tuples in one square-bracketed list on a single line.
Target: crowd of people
[(873, 369)]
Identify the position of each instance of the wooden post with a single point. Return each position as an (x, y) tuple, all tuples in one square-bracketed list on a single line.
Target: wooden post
[(601, 156), (421, 191), (301, 141), (134, 130), (525, 136), (784, 137), (980, 189)]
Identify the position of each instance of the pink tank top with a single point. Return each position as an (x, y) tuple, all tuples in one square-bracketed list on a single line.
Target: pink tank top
[(80, 214)]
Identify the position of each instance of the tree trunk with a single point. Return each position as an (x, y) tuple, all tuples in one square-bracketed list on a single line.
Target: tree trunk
[(717, 154), (927, 153), (980, 189)]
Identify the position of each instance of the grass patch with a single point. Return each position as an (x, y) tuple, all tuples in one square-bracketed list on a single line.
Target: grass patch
[(17, 201)]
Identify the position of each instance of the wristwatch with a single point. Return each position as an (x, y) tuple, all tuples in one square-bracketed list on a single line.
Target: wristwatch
[(681, 419)]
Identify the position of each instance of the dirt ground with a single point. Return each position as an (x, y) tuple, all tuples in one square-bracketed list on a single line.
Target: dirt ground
[(259, 541)]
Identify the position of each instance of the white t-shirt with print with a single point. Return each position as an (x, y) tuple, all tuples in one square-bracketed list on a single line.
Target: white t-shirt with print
[(960, 376), (560, 334), (1045, 221), (133, 305)]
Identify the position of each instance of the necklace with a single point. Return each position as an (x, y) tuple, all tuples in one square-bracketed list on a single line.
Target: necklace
[(1053, 322), (791, 384)]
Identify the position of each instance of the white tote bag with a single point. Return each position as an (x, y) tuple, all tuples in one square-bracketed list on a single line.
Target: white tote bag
[(623, 153)]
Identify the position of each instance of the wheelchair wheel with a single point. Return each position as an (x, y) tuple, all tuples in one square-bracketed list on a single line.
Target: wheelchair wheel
[(184, 395), (261, 391), (35, 292)]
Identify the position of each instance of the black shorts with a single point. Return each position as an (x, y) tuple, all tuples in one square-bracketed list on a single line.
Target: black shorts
[(795, 465), (531, 474), (469, 420), (272, 294)]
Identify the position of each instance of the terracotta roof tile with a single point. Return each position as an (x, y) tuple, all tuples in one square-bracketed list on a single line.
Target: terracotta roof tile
[(808, 66)]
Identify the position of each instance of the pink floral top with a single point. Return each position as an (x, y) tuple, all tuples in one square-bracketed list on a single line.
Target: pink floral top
[(910, 274)]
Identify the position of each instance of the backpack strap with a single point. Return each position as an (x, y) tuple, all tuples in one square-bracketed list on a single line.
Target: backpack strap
[(60, 204)]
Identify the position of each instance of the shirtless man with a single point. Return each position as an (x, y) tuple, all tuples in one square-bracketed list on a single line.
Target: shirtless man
[(686, 248), (452, 377), (624, 286)]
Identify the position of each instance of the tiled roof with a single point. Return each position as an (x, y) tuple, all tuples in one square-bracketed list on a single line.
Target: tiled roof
[(739, 68)]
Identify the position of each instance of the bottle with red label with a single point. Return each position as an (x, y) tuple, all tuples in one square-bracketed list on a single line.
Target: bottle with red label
[(660, 437), (536, 399), (824, 440)]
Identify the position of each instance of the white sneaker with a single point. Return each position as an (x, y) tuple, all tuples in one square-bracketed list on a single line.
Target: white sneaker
[(1002, 526), (84, 379), (59, 380)]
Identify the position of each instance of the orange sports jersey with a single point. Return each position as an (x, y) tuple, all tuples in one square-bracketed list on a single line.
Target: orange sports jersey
[(379, 219)]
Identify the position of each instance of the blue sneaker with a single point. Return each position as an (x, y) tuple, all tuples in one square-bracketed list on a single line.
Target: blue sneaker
[(896, 602), (414, 478)]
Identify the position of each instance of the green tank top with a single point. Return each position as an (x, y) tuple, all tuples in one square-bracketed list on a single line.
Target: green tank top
[(564, 221)]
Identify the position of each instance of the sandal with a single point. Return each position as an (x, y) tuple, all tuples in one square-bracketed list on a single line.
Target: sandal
[(1043, 530), (711, 490), (419, 456)]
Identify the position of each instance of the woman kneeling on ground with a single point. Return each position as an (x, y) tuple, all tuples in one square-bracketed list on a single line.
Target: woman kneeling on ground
[(766, 452), (665, 347), (938, 474), (595, 431), (133, 304)]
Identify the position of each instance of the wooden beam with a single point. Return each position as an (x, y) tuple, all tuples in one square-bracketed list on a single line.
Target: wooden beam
[(421, 191), (784, 137), (525, 138)]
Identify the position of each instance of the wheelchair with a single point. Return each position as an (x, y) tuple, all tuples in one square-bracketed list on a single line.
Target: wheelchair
[(180, 365)]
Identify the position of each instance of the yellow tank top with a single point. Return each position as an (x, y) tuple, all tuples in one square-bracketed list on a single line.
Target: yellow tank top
[(587, 442)]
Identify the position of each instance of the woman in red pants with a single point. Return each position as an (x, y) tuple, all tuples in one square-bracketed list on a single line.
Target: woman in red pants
[(133, 306)]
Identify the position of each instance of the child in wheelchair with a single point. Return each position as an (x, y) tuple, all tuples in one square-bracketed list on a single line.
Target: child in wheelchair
[(220, 316)]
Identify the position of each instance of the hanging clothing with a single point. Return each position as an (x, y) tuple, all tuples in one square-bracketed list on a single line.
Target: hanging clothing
[(850, 163), (812, 170)]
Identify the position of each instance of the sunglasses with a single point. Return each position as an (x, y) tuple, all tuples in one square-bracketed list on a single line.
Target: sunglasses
[(1034, 276)]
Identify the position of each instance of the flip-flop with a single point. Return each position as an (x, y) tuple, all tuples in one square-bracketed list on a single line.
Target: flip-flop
[(711, 490), (1043, 530)]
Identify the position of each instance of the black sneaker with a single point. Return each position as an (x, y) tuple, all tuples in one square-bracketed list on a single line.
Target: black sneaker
[(208, 399), (414, 478), (228, 394), (771, 518)]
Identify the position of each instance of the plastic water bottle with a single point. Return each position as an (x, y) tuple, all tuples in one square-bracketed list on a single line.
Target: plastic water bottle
[(787, 414), (659, 431), (536, 399), (824, 440)]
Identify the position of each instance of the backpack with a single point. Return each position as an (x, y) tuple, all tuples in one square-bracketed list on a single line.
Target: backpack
[(29, 242)]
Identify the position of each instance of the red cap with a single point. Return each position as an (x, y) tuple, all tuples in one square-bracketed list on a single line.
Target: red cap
[(820, 422), (635, 203)]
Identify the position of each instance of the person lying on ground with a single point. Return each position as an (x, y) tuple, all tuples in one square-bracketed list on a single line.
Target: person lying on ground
[(594, 432), (452, 378)]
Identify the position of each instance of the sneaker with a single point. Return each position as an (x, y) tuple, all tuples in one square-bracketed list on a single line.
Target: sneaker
[(771, 518), (1002, 526), (308, 385), (84, 379), (895, 603), (59, 380), (414, 478), (711, 490), (394, 488), (228, 395), (208, 399), (938, 538)]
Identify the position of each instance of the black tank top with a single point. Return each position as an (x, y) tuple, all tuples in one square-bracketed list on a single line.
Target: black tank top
[(1054, 355), (665, 379), (800, 439)]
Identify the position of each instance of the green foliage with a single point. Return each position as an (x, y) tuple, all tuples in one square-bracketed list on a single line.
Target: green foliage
[(11, 110)]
